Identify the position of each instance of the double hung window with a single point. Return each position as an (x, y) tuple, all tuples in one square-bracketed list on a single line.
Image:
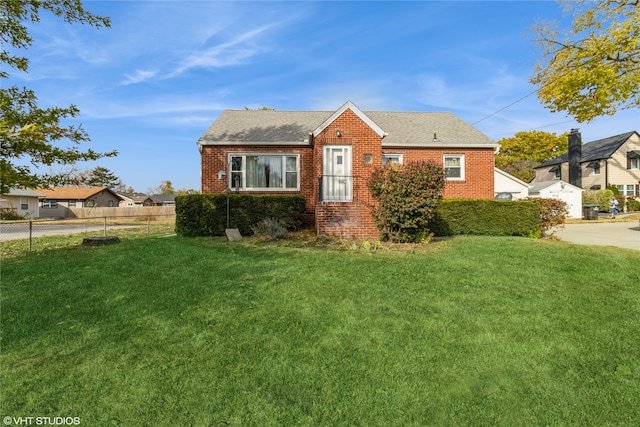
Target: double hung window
[(454, 166), (266, 172)]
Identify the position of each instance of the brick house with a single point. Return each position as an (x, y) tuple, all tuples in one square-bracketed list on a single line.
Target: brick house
[(328, 156)]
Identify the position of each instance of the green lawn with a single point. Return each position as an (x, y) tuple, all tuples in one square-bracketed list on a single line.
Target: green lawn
[(468, 331)]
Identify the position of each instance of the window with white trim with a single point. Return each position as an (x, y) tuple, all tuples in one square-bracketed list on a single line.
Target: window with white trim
[(595, 165), (395, 159), (52, 204), (24, 203), (264, 172), (454, 166), (628, 190)]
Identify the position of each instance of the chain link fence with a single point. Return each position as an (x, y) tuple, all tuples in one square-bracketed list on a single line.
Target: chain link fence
[(32, 235)]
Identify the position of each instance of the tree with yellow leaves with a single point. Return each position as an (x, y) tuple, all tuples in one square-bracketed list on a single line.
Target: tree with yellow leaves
[(522, 152), (593, 69)]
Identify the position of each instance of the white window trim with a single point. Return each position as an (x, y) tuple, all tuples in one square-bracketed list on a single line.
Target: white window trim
[(243, 183), (462, 166), (400, 157)]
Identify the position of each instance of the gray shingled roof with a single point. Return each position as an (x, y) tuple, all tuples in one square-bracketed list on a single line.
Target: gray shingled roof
[(25, 192), (595, 150), (262, 127)]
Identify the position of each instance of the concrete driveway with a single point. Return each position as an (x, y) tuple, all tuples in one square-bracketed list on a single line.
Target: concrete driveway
[(620, 234)]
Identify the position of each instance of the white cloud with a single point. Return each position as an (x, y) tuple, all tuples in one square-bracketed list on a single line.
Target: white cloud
[(138, 76), (232, 52)]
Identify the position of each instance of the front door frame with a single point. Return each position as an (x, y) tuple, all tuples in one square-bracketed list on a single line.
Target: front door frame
[(337, 182)]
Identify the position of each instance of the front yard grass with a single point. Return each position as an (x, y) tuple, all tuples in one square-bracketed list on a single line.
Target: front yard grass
[(466, 331)]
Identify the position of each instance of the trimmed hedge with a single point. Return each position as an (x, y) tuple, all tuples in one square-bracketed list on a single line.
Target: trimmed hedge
[(206, 214), (487, 217)]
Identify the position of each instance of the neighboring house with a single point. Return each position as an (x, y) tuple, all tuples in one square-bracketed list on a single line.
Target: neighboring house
[(160, 200), (570, 194), (328, 157), (56, 202), (21, 201), (130, 200), (508, 187), (609, 161)]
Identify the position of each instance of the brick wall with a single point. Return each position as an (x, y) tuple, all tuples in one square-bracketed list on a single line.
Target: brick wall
[(353, 219), (347, 220), (478, 163)]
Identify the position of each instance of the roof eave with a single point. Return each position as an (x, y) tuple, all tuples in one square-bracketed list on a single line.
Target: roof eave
[(255, 143), (436, 145)]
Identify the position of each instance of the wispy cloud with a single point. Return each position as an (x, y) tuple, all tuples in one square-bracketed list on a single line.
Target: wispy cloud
[(138, 77), (233, 52)]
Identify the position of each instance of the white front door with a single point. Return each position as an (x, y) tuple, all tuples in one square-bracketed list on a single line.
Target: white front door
[(337, 179)]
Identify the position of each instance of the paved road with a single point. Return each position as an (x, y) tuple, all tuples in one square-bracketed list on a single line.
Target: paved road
[(620, 234), (21, 230)]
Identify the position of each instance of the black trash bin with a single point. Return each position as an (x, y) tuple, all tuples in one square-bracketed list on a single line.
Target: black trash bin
[(590, 211)]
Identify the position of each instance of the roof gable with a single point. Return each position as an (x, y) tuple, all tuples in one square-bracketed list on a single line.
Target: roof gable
[(595, 150), (537, 187), (349, 106)]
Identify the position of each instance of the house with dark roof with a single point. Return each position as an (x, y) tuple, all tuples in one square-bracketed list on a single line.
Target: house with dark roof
[(57, 202), (609, 161), (160, 200), (328, 156), (131, 199)]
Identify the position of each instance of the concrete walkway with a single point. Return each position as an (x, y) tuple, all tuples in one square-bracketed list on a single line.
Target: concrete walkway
[(620, 234)]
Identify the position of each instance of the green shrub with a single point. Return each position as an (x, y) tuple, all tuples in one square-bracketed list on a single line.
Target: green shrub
[(270, 228), (9, 215), (487, 217), (598, 197), (614, 190), (633, 205), (407, 196), (211, 214)]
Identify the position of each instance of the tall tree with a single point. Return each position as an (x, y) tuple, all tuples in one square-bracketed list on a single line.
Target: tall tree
[(593, 69), (165, 187), (519, 154), (31, 136), (101, 177)]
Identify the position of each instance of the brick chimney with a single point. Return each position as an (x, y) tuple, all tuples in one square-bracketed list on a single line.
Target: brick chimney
[(575, 153)]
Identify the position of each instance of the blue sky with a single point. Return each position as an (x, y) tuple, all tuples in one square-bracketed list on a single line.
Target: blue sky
[(150, 85)]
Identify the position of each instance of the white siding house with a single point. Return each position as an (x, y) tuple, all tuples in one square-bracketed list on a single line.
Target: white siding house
[(564, 191), (505, 183)]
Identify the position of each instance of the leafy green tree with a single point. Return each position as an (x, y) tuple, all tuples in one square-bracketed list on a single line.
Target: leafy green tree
[(101, 177), (407, 197), (519, 154), (593, 69), (31, 136)]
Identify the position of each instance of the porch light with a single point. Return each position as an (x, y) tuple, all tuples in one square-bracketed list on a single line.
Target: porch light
[(221, 174), (338, 134)]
